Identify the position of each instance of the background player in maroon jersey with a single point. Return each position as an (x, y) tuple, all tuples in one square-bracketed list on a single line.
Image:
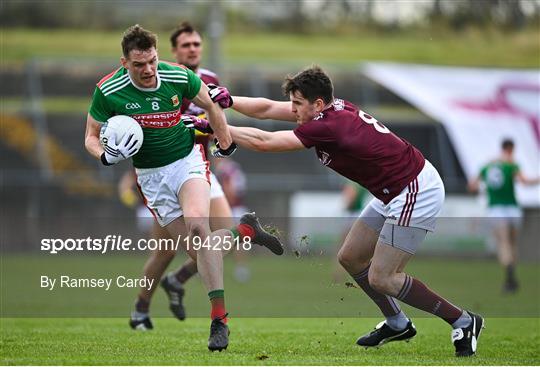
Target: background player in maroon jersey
[(187, 47), (408, 197)]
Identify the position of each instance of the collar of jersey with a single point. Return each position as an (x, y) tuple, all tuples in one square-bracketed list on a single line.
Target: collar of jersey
[(329, 105), (158, 79)]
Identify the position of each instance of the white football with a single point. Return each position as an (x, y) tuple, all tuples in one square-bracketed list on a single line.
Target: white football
[(119, 126)]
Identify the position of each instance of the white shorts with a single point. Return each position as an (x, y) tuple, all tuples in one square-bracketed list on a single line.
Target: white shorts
[(216, 191), (160, 186), (505, 214), (144, 219), (418, 205)]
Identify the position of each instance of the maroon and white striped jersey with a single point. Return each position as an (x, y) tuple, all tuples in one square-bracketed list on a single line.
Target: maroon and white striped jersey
[(357, 146), (189, 108)]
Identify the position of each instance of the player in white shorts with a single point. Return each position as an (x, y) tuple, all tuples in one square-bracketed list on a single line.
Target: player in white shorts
[(408, 190), (186, 47), (405, 221), (172, 172), (504, 212)]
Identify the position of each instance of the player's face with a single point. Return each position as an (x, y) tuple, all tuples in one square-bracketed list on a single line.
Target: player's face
[(142, 66), (303, 109), (188, 50)]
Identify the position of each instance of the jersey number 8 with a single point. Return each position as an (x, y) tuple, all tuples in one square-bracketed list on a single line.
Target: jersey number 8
[(155, 105), (373, 121)]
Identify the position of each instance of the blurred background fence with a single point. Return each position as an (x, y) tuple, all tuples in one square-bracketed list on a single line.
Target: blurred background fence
[(53, 52)]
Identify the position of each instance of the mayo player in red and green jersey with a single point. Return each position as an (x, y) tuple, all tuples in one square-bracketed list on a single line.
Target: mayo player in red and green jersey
[(186, 44), (172, 172), (499, 177)]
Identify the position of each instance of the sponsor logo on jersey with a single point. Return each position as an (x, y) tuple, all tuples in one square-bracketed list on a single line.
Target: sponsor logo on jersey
[(175, 100), (153, 99), (132, 106), (160, 120)]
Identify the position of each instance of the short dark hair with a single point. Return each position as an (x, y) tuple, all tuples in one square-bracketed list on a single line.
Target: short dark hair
[(312, 83), (507, 143), (137, 38), (184, 27)]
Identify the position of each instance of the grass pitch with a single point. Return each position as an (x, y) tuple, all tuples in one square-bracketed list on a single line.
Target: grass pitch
[(432, 46), (255, 341), (290, 313)]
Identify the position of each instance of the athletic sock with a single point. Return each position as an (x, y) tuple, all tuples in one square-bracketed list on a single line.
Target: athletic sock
[(464, 320), (243, 230), (395, 318), (142, 306), (417, 294), (171, 278), (510, 274), (217, 300), (136, 315), (397, 322), (186, 272)]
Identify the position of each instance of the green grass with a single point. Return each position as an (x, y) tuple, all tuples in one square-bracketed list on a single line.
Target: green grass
[(49, 105), (472, 48), (303, 287), (260, 341), (291, 311)]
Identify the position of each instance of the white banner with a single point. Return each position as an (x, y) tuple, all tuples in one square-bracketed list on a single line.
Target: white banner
[(478, 108)]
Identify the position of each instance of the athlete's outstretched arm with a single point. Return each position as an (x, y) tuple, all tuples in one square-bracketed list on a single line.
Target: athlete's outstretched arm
[(266, 141), (216, 117), (474, 184), (526, 180), (263, 108)]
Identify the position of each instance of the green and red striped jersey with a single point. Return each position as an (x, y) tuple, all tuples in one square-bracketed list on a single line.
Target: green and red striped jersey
[(157, 110)]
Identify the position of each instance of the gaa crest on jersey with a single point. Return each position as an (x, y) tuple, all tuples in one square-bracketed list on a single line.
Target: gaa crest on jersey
[(325, 158), (339, 104), (175, 100)]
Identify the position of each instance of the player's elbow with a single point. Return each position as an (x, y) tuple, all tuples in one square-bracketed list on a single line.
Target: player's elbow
[(87, 143), (91, 144)]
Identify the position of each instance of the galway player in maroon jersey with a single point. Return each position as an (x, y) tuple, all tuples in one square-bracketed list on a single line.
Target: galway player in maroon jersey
[(408, 191)]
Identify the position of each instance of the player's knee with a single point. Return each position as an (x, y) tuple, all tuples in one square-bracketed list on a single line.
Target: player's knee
[(351, 262), (345, 259), (198, 229), (163, 255), (167, 255)]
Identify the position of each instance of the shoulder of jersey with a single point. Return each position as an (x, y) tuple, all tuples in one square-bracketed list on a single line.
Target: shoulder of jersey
[(207, 72), (208, 76), (172, 72), (114, 81)]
